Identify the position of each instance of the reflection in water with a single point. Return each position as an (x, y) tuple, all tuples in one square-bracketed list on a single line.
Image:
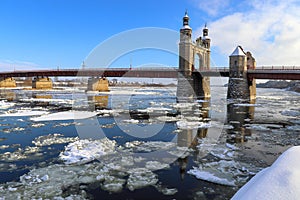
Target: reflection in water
[(238, 116), (44, 98), (7, 95), (189, 137), (98, 102)]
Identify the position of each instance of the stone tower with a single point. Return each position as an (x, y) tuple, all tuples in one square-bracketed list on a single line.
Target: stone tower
[(191, 83), (239, 86)]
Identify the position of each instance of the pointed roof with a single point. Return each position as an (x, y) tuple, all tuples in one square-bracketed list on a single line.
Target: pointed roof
[(238, 52)]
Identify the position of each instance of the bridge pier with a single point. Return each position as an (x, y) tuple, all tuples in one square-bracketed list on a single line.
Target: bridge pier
[(98, 84), (42, 83), (240, 86), (8, 82)]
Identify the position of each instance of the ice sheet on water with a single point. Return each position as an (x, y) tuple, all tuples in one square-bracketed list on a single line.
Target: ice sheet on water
[(67, 115), (83, 151), (46, 140), (224, 172), (291, 113), (211, 177)]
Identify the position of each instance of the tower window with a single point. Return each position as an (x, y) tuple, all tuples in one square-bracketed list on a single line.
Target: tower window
[(235, 63)]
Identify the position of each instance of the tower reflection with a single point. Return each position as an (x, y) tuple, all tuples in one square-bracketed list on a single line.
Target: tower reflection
[(238, 116), (188, 137)]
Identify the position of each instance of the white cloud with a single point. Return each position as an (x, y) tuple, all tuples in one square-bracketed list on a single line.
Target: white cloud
[(269, 29), (12, 65)]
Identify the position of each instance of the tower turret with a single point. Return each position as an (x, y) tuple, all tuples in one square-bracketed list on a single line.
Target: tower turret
[(206, 39), (186, 31)]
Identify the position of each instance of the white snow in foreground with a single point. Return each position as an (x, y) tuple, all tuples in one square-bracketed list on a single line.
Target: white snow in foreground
[(83, 151), (67, 115), (279, 181), (23, 113)]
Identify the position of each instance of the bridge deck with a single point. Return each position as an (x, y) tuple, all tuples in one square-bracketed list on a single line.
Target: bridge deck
[(283, 73)]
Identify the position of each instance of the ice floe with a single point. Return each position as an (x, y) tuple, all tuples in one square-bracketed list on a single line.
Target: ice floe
[(46, 140), (280, 181), (211, 177), (23, 112), (183, 124), (223, 172), (83, 151), (5, 105), (67, 115), (141, 177)]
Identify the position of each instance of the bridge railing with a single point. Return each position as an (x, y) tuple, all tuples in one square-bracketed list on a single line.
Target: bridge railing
[(278, 68)]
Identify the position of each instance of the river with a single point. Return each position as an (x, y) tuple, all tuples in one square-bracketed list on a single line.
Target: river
[(145, 144)]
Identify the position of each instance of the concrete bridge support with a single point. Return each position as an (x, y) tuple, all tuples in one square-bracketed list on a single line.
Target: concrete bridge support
[(201, 85), (239, 86), (8, 82), (42, 83), (98, 84)]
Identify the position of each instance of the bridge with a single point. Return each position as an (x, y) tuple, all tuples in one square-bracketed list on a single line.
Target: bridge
[(264, 72)]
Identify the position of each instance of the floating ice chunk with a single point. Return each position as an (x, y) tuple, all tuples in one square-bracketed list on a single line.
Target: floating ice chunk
[(21, 154), (5, 105), (210, 177), (192, 125), (46, 140), (280, 181), (165, 190), (83, 151), (141, 177), (113, 184), (23, 112), (37, 125), (167, 119), (132, 121), (68, 115), (154, 146), (155, 165)]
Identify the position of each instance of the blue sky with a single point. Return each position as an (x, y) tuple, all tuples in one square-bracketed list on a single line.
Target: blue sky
[(51, 33)]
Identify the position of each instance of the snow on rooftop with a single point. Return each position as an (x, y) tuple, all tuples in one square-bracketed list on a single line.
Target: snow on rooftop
[(238, 52), (280, 181)]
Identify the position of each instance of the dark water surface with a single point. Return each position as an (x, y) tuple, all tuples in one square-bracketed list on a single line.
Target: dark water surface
[(150, 147)]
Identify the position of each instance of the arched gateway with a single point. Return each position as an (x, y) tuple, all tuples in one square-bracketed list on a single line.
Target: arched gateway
[(194, 57)]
